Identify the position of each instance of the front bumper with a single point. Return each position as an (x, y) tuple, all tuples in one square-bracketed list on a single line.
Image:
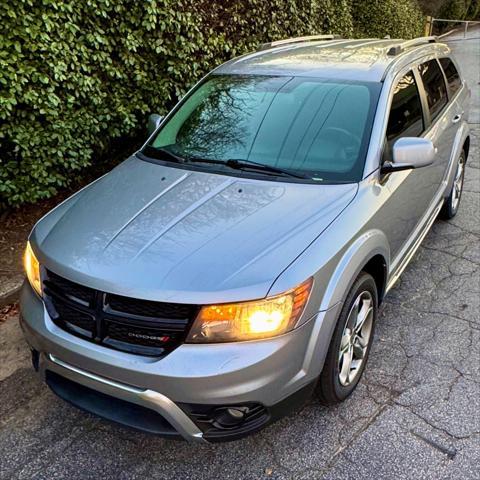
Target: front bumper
[(275, 373)]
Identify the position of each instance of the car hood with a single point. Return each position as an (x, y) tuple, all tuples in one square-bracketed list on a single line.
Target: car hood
[(170, 234)]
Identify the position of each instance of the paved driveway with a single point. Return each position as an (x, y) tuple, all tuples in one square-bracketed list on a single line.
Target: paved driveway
[(415, 414)]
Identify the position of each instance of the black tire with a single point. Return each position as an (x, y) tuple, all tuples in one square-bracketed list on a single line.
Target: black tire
[(330, 390), (451, 205)]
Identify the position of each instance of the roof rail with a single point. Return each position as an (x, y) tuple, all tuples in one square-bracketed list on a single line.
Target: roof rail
[(396, 49), (286, 41)]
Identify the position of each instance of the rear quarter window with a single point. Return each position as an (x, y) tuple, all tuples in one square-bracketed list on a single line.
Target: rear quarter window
[(451, 72), (435, 87)]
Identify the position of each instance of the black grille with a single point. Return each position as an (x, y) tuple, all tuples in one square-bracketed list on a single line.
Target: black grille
[(69, 289), (175, 311), (132, 325), (81, 322)]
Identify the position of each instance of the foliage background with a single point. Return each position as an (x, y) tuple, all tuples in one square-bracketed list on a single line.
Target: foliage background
[(78, 78), (452, 9)]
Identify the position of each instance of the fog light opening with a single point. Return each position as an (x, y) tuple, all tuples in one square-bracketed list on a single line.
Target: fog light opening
[(230, 417)]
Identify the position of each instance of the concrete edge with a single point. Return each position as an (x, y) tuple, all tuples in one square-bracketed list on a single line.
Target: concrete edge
[(11, 295)]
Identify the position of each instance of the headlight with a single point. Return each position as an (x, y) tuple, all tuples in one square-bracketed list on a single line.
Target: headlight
[(32, 269), (250, 320)]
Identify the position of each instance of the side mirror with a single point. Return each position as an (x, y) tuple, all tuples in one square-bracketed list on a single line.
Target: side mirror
[(409, 153), (154, 120)]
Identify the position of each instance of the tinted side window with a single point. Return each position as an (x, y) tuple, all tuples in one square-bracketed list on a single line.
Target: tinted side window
[(405, 118), (434, 87), (453, 78)]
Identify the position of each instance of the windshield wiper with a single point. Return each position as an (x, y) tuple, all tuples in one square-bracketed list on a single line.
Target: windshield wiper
[(237, 164), (241, 164), (161, 153)]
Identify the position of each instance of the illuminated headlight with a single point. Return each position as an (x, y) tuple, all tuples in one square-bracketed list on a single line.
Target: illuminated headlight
[(32, 269), (250, 320)]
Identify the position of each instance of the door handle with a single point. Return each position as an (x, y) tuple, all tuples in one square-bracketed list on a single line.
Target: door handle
[(457, 118)]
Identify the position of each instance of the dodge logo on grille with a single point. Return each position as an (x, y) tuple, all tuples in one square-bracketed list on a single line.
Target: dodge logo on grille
[(147, 337)]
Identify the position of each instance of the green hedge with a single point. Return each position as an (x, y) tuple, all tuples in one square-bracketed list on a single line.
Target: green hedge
[(76, 75), (397, 18), (460, 10)]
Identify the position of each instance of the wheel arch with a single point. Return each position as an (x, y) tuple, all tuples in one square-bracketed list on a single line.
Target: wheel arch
[(377, 268), (461, 143), (369, 252), (466, 146)]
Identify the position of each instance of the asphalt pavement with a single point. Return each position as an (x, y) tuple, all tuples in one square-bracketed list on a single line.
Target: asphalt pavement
[(415, 415)]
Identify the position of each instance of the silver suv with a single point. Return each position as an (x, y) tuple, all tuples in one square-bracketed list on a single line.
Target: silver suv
[(235, 264)]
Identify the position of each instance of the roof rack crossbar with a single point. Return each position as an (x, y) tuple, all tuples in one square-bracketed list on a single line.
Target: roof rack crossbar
[(396, 49), (286, 41)]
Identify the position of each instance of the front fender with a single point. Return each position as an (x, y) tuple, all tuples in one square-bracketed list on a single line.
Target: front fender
[(332, 284), (359, 253), (339, 267)]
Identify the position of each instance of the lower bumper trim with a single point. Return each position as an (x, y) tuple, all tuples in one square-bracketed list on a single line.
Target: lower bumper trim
[(115, 401), (111, 408)]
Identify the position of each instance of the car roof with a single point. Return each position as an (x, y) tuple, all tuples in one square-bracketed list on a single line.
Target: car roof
[(361, 59)]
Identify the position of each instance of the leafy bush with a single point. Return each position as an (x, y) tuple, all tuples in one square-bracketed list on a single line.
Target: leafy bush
[(397, 18), (454, 9), (473, 9), (451, 9), (77, 75), (460, 9)]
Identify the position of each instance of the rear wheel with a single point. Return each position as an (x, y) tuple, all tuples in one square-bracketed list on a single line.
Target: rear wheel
[(351, 342), (450, 207)]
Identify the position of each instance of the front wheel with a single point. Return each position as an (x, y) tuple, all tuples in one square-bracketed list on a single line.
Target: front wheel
[(450, 207), (351, 342)]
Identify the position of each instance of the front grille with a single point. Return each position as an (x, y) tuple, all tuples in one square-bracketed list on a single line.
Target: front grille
[(81, 322), (69, 289), (146, 308), (128, 324)]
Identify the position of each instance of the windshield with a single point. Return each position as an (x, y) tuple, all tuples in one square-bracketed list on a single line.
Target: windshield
[(316, 127)]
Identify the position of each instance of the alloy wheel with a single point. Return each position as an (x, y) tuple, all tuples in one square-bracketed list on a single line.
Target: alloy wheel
[(355, 338), (458, 184)]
